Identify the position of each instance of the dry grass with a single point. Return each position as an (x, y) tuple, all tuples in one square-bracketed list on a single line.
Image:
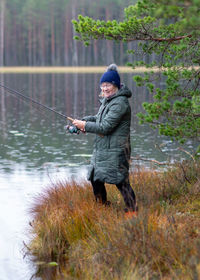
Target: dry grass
[(91, 241)]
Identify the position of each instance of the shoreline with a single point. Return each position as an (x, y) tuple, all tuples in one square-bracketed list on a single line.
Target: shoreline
[(76, 69), (67, 69)]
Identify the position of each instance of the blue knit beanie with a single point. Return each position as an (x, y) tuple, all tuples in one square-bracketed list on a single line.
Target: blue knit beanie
[(111, 76)]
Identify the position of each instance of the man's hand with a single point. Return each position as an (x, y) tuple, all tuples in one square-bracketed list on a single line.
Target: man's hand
[(79, 124)]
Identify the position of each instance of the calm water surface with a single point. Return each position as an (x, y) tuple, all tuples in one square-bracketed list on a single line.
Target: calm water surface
[(35, 150)]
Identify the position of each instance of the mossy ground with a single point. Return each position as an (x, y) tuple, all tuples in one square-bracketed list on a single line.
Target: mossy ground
[(76, 238)]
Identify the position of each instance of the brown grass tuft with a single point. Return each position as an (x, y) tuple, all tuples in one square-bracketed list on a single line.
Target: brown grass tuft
[(91, 241)]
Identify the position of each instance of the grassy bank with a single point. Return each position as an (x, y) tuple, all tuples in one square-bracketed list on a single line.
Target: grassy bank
[(73, 237)]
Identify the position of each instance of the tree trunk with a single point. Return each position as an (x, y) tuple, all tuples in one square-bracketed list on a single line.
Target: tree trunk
[(30, 59), (75, 47), (95, 49), (34, 42), (52, 38), (121, 61), (2, 23), (109, 44), (42, 44), (68, 36)]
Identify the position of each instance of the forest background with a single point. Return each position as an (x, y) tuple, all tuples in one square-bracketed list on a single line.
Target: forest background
[(40, 33)]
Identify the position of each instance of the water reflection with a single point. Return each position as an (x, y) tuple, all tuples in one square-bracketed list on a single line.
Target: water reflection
[(35, 151), (3, 109), (34, 136)]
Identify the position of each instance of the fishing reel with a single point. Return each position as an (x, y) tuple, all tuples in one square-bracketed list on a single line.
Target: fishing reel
[(72, 129)]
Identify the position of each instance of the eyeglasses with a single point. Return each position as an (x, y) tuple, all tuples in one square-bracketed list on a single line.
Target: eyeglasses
[(106, 86)]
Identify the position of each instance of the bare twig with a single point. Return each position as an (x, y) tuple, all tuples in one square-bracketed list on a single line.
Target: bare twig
[(150, 160), (184, 174), (181, 149)]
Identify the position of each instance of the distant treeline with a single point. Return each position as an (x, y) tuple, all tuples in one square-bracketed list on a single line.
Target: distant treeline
[(40, 32)]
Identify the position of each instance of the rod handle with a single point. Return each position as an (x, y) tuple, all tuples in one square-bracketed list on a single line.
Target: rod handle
[(70, 119)]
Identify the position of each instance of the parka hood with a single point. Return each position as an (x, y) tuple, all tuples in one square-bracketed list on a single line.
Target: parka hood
[(123, 91)]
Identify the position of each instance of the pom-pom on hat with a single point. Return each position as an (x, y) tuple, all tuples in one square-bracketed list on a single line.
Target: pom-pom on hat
[(111, 76)]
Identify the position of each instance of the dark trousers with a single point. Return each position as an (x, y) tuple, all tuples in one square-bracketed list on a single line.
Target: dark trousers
[(124, 188)]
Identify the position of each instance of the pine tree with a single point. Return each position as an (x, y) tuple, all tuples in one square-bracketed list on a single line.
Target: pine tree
[(169, 31)]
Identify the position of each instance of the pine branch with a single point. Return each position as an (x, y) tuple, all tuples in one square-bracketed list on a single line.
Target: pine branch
[(145, 38)]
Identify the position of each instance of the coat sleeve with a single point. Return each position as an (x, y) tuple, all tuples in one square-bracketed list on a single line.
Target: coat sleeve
[(110, 121), (89, 118)]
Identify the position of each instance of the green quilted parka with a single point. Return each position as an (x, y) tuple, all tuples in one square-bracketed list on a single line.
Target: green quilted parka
[(111, 154)]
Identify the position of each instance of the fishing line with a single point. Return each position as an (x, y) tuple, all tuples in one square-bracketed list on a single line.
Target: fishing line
[(42, 106)]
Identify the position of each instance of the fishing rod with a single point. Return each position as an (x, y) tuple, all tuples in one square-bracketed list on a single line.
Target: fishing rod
[(72, 128)]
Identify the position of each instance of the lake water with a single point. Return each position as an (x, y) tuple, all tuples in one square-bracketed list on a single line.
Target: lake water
[(36, 151)]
